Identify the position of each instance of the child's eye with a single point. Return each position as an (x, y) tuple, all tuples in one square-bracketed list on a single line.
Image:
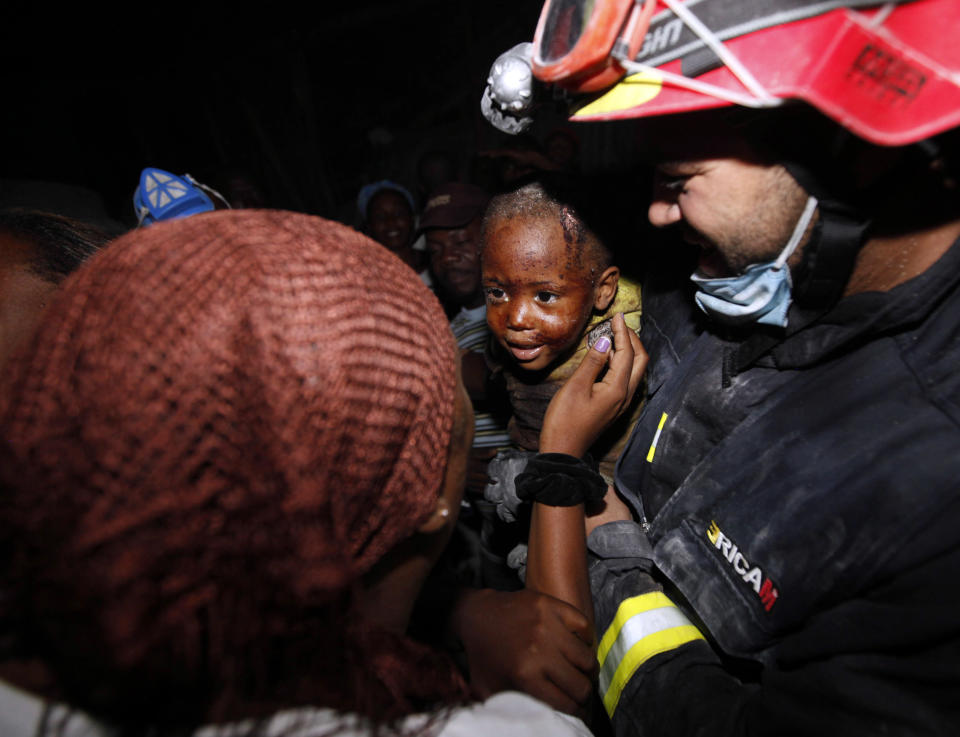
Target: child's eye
[(547, 297), (493, 294)]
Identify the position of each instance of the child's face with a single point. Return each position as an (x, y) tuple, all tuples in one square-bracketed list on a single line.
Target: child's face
[(539, 296)]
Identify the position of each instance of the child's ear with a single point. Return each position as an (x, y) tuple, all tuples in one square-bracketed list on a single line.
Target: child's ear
[(606, 288)]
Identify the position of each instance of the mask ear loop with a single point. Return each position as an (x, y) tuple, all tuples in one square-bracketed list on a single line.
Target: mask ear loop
[(142, 214), (759, 98), (881, 15), (799, 229)]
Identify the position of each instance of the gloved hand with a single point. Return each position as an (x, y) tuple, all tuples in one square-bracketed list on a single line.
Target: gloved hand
[(502, 491)]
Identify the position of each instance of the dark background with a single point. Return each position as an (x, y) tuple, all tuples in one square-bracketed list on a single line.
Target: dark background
[(308, 108)]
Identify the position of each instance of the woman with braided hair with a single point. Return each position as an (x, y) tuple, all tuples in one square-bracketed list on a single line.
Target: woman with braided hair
[(228, 459)]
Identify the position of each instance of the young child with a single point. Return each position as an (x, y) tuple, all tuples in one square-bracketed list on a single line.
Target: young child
[(551, 289)]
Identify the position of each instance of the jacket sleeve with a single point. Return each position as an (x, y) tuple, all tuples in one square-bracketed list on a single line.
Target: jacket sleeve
[(886, 661), (658, 674)]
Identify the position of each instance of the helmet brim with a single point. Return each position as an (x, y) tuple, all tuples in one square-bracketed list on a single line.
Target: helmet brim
[(893, 82)]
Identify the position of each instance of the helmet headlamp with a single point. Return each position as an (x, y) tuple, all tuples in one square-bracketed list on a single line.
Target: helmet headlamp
[(887, 72)]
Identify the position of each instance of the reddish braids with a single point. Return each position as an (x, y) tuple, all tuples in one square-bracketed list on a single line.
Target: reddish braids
[(221, 424)]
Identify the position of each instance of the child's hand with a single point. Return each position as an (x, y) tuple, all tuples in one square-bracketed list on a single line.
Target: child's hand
[(584, 407)]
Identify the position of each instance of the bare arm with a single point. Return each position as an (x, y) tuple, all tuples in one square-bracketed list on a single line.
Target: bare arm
[(540, 640), (557, 554)]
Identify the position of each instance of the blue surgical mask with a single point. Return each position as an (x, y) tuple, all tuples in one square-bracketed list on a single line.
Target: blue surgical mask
[(761, 294)]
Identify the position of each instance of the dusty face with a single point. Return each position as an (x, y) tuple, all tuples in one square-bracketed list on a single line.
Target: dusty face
[(539, 295), (389, 220), (455, 261), (737, 210)]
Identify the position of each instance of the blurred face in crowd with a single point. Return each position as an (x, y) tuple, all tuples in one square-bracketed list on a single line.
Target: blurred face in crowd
[(540, 295), (455, 261), (23, 295), (390, 220), (561, 149)]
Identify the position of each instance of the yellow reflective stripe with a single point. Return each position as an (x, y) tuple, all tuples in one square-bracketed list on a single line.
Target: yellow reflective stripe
[(627, 609), (636, 628), (656, 438), (640, 653), (643, 626)]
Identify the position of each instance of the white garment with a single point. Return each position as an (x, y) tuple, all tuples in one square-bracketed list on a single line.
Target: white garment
[(508, 714)]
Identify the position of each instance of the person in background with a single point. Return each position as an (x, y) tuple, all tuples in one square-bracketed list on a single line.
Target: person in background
[(451, 223), (563, 148), (38, 250), (435, 168), (387, 212)]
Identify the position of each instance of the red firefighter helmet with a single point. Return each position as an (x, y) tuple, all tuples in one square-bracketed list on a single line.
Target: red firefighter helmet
[(889, 73)]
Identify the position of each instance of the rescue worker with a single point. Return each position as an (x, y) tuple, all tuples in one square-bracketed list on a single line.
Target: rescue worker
[(780, 556)]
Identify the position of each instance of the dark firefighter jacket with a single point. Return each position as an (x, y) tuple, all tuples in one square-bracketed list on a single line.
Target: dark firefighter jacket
[(799, 505)]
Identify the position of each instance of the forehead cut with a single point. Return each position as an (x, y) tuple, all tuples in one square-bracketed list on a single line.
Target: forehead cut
[(583, 249)]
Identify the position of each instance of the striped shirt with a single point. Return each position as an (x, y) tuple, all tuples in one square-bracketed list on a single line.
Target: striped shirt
[(471, 332)]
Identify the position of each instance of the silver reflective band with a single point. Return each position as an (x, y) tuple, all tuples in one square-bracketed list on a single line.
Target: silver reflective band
[(634, 630)]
